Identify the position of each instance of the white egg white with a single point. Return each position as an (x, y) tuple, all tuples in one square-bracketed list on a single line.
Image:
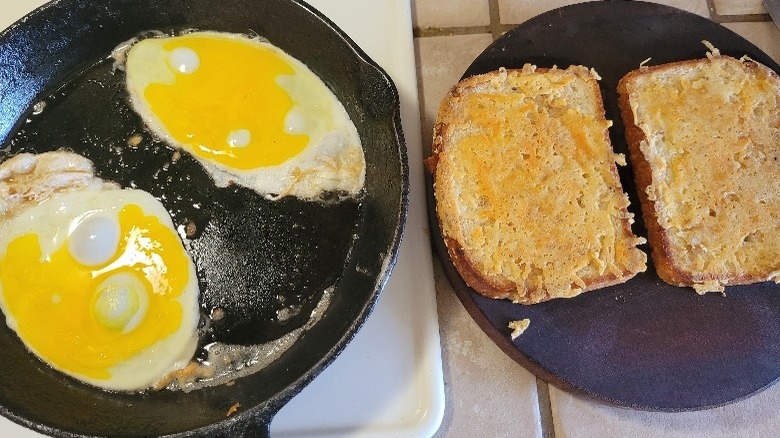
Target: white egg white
[(333, 160), (52, 219)]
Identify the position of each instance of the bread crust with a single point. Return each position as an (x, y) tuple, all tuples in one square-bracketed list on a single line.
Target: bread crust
[(499, 287), (642, 177), (667, 267)]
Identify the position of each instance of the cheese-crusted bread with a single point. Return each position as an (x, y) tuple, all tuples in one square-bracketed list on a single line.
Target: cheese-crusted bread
[(527, 192), (704, 142)]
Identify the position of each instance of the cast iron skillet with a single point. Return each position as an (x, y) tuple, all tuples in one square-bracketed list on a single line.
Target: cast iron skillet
[(253, 256), (642, 344)]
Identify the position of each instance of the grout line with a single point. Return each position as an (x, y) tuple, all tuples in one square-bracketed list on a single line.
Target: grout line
[(712, 10), (450, 31), (496, 28), (714, 16), (747, 18), (545, 408), (495, 31), (495, 19)]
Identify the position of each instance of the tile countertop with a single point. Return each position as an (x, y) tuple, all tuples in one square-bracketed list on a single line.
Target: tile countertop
[(487, 393)]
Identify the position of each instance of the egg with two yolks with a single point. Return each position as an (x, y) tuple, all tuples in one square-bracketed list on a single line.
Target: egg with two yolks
[(249, 112), (97, 283)]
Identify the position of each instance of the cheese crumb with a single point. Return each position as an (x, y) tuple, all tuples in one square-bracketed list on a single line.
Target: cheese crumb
[(233, 409), (709, 286), (714, 52), (518, 327)]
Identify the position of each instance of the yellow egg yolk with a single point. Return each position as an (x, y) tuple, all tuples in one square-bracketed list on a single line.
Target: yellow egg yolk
[(225, 104), (86, 319)]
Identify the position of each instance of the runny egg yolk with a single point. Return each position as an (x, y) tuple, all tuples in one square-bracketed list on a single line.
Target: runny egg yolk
[(93, 304), (225, 102)]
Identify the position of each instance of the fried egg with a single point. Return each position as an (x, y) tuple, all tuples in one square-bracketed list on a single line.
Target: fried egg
[(249, 112), (93, 279)]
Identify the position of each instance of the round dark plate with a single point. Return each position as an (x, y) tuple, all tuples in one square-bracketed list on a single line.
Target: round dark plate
[(643, 344)]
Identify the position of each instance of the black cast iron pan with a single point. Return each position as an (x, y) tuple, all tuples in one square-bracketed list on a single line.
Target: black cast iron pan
[(642, 344), (253, 256)]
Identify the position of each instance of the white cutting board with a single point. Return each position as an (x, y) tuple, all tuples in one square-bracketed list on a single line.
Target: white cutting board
[(388, 381)]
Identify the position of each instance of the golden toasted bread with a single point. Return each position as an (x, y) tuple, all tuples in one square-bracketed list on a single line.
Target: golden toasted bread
[(527, 192), (704, 143)]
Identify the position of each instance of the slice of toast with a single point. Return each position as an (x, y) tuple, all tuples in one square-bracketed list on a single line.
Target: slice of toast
[(704, 143), (527, 192)]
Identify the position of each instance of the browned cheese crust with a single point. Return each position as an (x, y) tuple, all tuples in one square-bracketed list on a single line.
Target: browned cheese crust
[(687, 249), (498, 189)]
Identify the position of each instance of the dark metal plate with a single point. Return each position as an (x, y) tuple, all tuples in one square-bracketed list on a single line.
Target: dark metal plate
[(643, 344), (253, 256)]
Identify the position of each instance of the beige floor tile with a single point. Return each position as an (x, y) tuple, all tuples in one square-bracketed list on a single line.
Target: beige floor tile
[(739, 7), (757, 416), (698, 7), (487, 394), (518, 11), (440, 63), (765, 35), (450, 13)]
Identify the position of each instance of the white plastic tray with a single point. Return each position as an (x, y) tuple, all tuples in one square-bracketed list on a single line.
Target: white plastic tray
[(388, 382)]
